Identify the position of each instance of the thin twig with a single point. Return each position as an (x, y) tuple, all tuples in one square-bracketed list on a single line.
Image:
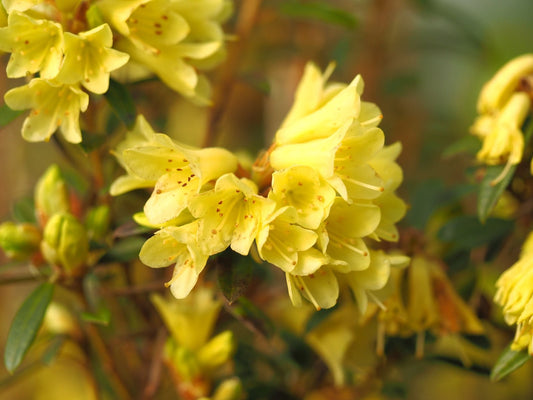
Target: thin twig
[(19, 278), (72, 160), (133, 290), (222, 93), (154, 373)]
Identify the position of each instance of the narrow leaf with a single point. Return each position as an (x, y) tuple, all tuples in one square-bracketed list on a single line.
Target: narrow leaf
[(53, 349), (101, 317), (234, 276), (26, 324), (7, 115), (508, 362), (469, 144), (124, 250), (321, 11), (252, 317), (490, 193), (467, 232), (24, 210), (121, 102)]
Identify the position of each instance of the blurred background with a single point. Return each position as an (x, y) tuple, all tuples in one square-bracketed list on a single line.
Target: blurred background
[(423, 63)]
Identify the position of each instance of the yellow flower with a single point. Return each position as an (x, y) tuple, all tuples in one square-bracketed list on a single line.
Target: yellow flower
[(171, 39), (317, 153), (320, 288), (179, 246), (372, 278), (190, 321), (142, 134), (177, 172), (19, 5), (230, 214), (503, 140), (496, 92), (176, 188), (346, 227), (304, 189), (53, 105), (359, 179), (332, 338), (280, 240), (391, 206), (35, 45), (89, 59), (190, 352), (515, 293)]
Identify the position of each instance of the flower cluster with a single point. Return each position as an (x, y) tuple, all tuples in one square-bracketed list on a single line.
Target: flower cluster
[(309, 207), (503, 108), (69, 44), (514, 294)]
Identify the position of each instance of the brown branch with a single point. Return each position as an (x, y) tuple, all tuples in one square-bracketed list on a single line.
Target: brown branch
[(245, 21), (133, 290), (154, 373)]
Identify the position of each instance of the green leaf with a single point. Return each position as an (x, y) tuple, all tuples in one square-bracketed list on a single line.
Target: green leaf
[(469, 144), (26, 324), (467, 232), (7, 115), (124, 250), (234, 275), (508, 362), (253, 317), (121, 102), (489, 193), (431, 195), (24, 210), (101, 317), (318, 10), (53, 349)]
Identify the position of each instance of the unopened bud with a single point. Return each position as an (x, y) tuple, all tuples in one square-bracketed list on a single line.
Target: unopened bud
[(97, 222), (51, 194), (19, 241), (230, 389), (65, 243), (94, 16), (183, 360), (217, 351)]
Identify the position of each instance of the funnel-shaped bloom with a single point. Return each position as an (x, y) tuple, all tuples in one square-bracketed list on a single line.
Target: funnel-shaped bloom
[(36, 45), (304, 189), (496, 92), (280, 239), (89, 59), (53, 106), (230, 214), (346, 227), (179, 246), (503, 140), (515, 293)]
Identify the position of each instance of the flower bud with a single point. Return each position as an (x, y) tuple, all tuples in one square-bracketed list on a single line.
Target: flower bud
[(183, 360), (97, 222), (496, 92), (65, 243), (230, 389), (217, 351), (51, 195), (19, 241)]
